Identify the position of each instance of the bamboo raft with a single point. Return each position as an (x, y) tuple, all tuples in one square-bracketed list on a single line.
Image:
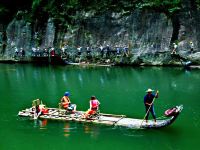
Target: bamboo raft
[(105, 119)]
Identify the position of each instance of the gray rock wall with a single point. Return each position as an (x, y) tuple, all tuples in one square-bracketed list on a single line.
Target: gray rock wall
[(147, 34), (144, 31), (189, 31), (18, 36)]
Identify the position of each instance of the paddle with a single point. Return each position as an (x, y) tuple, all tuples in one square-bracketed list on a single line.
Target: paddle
[(149, 107)]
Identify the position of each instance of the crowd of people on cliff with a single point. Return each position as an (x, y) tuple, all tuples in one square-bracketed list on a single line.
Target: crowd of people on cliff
[(106, 51), (103, 51), (175, 48), (19, 52)]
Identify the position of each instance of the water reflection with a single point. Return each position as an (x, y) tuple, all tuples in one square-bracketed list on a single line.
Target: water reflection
[(130, 132), (173, 84), (21, 74), (93, 130), (36, 74), (66, 129), (80, 78), (102, 80), (187, 72), (42, 124), (64, 77)]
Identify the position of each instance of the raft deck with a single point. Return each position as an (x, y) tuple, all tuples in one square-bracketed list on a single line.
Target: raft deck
[(106, 119)]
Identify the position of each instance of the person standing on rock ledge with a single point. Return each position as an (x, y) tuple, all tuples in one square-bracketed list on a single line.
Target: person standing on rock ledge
[(175, 47), (16, 52), (191, 47)]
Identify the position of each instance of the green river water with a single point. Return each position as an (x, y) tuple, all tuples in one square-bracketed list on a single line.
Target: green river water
[(120, 91)]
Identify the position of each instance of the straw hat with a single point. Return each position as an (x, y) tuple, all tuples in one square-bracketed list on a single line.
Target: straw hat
[(149, 90)]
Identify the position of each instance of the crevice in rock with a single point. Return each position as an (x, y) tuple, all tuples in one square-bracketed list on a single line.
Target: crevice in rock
[(176, 27)]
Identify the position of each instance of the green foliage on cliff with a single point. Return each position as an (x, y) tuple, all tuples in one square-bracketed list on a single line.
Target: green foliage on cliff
[(166, 6), (9, 9), (3, 10), (35, 4), (198, 4), (68, 11)]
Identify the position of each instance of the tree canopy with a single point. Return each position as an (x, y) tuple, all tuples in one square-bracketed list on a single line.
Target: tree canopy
[(66, 10)]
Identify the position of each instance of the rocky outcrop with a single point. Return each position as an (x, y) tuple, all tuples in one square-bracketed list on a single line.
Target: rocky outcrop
[(189, 19), (195, 58), (18, 36), (21, 35)]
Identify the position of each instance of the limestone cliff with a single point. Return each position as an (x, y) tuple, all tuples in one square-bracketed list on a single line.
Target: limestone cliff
[(148, 34)]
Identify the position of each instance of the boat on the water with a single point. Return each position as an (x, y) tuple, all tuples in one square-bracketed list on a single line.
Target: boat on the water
[(54, 60), (40, 59), (90, 64), (194, 67), (58, 60), (106, 119)]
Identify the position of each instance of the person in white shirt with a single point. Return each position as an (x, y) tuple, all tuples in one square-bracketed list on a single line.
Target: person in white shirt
[(175, 46)]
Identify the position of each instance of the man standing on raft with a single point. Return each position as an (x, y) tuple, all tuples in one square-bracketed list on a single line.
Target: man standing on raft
[(148, 102)]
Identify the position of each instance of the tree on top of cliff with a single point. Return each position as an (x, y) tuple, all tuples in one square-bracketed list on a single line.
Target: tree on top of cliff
[(9, 8)]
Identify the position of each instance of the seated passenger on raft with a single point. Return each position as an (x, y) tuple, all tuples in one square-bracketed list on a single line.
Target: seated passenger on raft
[(40, 109), (66, 103), (94, 107)]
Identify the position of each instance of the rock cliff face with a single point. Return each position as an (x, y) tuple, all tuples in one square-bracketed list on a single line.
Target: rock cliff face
[(18, 35), (147, 34)]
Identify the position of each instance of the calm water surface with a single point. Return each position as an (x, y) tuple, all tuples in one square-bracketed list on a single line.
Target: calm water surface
[(120, 91)]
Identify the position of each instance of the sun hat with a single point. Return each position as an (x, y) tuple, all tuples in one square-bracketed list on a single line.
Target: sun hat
[(149, 90)]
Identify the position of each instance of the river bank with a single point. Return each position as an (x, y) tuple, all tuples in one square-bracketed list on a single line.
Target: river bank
[(156, 59)]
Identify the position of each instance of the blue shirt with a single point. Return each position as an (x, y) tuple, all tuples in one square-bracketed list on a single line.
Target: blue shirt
[(148, 98)]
